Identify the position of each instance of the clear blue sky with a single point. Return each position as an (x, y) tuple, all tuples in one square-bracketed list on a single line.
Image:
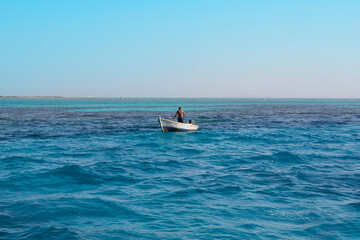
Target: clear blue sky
[(188, 48)]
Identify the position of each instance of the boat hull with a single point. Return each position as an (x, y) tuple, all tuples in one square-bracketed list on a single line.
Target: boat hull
[(171, 126)]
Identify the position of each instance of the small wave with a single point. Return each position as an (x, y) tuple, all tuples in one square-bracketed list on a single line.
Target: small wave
[(188, 193), (76, 173), (308, 113), (287, 157), (281, 157), (354, 205), (51, 232), (150, 145), (6, 219), (191, 151), (115, 173), (171, 163), (14, 162), (228, 190), (75, 155), (13, 159), (108, 167)]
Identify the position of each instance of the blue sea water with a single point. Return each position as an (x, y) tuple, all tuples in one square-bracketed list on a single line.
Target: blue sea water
[(255, 169)]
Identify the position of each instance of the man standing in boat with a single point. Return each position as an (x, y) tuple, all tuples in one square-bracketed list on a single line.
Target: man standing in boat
[(181, 114)]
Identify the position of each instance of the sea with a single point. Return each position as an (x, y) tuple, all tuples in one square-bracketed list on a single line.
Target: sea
[(100, 168)]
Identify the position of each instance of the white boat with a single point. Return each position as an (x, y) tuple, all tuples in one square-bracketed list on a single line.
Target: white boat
[(168, 125)]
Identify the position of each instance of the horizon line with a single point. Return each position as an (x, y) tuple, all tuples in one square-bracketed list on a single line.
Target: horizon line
[(121, 97)]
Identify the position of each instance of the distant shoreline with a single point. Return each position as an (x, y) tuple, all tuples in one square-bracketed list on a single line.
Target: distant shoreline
[(31, 97), (49, 97)]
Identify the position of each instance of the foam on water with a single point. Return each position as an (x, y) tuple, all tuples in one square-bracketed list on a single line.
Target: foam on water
[(255, 169)]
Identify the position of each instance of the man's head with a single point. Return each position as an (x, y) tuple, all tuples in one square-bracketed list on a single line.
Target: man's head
[(179, 108)]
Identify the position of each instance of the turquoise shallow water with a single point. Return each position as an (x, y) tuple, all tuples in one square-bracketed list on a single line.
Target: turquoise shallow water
[(256, 169)]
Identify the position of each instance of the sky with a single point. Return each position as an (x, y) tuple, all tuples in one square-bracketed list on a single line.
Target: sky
[(188, 48)]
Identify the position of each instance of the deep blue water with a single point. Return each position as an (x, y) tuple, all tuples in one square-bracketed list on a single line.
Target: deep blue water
[(256, 169)]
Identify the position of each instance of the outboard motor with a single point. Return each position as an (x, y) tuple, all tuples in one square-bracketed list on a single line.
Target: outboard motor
[(192, 121)]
